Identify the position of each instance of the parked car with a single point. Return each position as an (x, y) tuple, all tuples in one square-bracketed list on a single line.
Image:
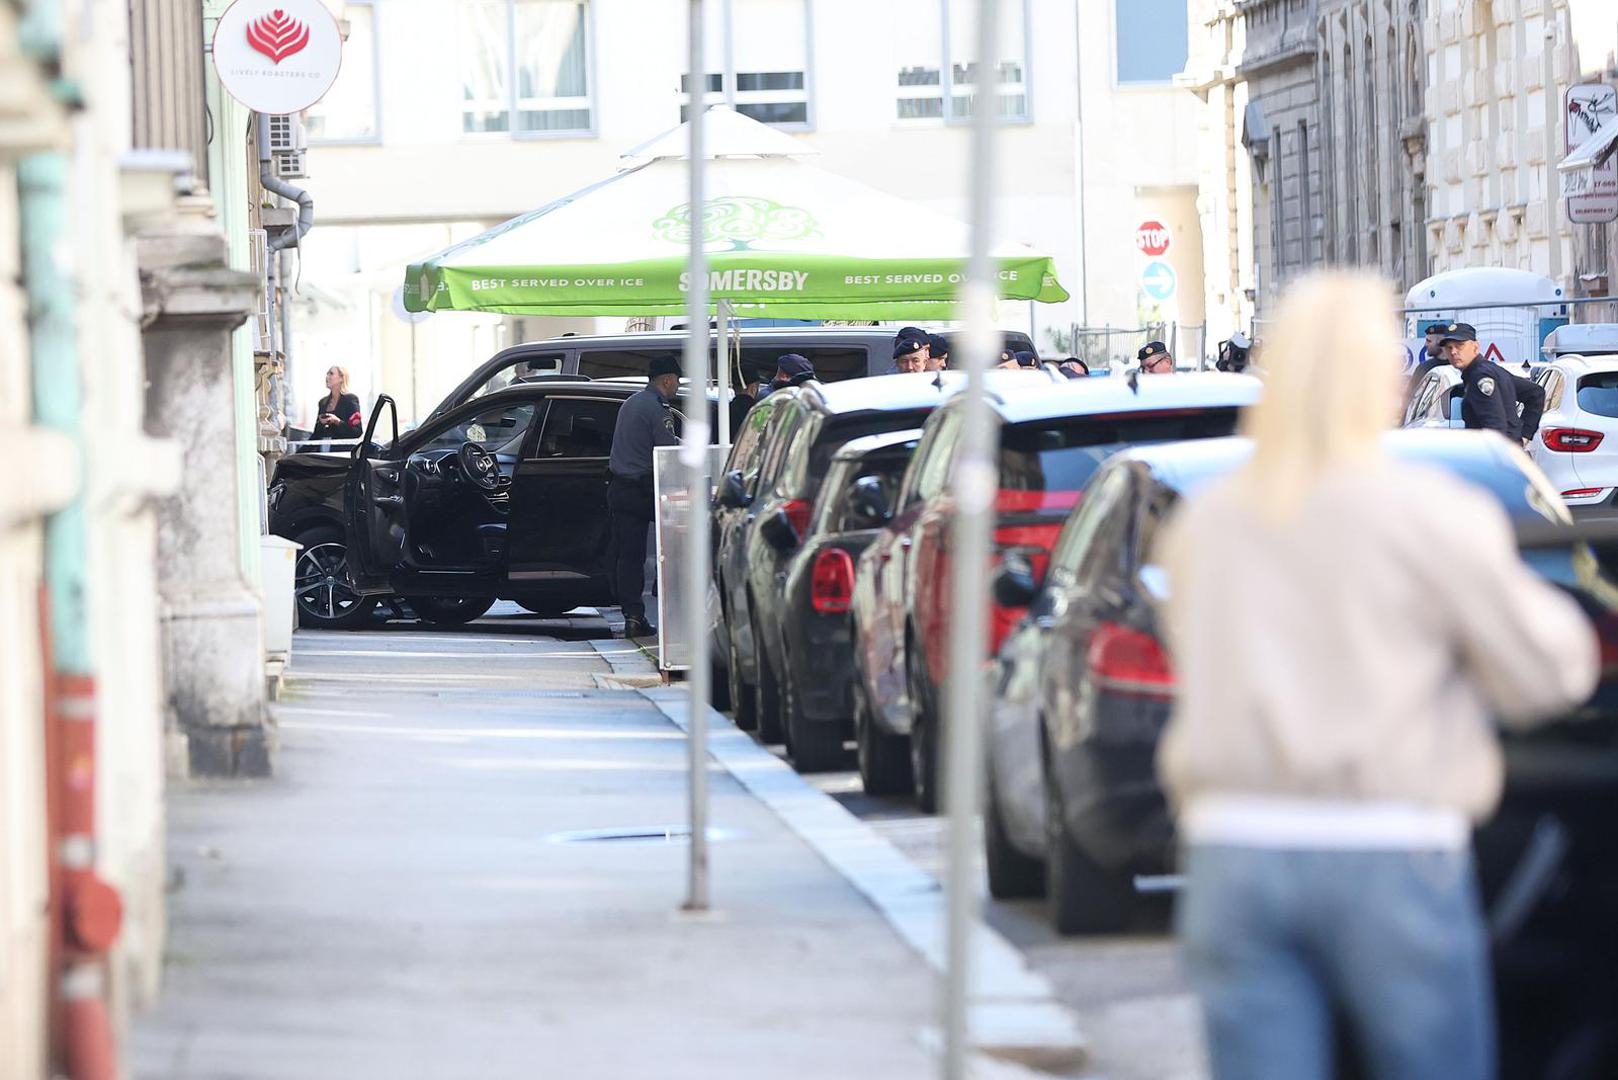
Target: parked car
[(1051, 439), (1436, 400), (1577, 443), (805, 426), (810, 612), (501, 497)]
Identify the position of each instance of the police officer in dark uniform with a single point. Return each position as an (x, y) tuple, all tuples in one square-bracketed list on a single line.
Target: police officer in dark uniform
[(1431, 356), (1495, 399), (645, 421)]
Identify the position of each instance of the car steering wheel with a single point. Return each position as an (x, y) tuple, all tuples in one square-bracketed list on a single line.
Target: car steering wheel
[(479, 466)]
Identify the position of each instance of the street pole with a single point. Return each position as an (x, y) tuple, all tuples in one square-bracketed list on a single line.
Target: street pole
[(1553, 123), (722, 356), (694, 456), (976, 480)]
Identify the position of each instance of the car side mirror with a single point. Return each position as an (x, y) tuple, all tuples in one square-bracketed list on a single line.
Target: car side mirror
[(1014, 583), (733, 491), (778, 532), (868, 503)]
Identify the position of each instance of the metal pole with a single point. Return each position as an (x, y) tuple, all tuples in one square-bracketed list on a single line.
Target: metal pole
[(722, 355), (694, 456), (1553, 124), (728, 79), (975, 484)]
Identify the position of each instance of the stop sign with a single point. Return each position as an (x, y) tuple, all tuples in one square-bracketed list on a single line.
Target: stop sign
[(1152, 238)]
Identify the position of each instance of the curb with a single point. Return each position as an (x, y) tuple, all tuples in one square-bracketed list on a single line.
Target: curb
[(1014, 1012)]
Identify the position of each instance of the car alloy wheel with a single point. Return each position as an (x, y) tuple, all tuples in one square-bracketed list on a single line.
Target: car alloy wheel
[(320, 584)]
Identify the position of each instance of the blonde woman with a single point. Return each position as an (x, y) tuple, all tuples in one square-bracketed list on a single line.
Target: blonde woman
[(339, 411), (1331, 746)]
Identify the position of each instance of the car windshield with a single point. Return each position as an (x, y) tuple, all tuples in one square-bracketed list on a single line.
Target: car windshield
[(1062, 454)]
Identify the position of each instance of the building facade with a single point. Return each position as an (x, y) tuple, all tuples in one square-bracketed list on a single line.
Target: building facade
[(1312, 145), (1496, 74), (494, 107)]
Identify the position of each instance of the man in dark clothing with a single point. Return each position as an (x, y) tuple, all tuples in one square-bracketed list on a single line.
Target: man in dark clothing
[(1495, 399), (910, 351), (937, 353), (792, 370), (644, 422), (745, 398), (1431, 356)]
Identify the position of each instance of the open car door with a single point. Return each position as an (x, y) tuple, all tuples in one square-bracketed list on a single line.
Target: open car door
[(374, 507)]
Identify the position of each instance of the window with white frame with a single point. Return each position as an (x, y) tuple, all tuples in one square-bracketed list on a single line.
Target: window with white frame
[(525, 66), (349, 112), (938, 61), (769, 65)]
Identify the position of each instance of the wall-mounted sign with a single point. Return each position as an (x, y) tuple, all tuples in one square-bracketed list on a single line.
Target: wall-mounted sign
[(1591, 194), (277, 56)]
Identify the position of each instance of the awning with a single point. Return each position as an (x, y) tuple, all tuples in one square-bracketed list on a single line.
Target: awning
[(1577, 170)]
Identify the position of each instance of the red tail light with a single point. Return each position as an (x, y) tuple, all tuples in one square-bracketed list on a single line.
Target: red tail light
[(1571, 440), (1578, 493), (831, 582), (1606, 626), (797, 512), (1127, 661)]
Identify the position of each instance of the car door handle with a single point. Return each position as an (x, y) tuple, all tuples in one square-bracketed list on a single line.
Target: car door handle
[(389, 500)]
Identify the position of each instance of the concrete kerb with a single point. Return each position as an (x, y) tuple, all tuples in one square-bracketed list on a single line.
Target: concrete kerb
[(631, 667), (1014, 1013)]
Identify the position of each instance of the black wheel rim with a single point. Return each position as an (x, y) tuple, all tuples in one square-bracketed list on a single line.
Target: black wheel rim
[(321, 584)]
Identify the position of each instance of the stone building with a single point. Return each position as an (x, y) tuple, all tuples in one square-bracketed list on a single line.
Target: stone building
[(1312, 148), (1496, 75)]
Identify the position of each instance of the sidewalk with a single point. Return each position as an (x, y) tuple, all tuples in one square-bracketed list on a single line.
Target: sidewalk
[(405, 899)]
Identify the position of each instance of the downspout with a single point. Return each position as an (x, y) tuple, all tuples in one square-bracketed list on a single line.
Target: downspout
[(85, 910), (272, 183)]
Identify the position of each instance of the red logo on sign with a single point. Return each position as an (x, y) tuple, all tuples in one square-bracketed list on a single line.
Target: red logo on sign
[(1152, 238), (1494, 353), (277, 35)]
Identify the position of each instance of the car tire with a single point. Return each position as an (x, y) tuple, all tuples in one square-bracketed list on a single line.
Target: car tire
[(1012, 875), (451, 610), (814, 746), (924, 749), (769, 700), (743, 698), (884, 760), (331, 605), (1084, 898), (718, 684)]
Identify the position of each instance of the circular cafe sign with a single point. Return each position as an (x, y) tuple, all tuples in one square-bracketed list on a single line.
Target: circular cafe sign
[(277, 56)]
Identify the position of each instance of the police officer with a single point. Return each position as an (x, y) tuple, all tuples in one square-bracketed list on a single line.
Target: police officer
[(910, 351), (645, 421), (1155, 359), (1431, 355), (1495, 399), (937, 353)]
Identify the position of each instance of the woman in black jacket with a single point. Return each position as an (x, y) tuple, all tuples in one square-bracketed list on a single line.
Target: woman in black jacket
[(339, 415)]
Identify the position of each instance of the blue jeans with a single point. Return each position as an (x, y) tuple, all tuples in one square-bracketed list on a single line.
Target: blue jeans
[(1282, 945)]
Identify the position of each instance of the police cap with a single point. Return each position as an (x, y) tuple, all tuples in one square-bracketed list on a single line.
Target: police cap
[(662, 365), (1457, 331), (904, 346), (1151, 349)]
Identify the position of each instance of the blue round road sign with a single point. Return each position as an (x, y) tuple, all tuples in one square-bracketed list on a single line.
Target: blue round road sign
[(1158, 280)]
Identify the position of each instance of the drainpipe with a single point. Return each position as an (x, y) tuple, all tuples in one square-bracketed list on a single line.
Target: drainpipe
[(86, 911), (273, 183)]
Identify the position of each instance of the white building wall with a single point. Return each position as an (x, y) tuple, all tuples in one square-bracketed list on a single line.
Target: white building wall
[(1487, 140)]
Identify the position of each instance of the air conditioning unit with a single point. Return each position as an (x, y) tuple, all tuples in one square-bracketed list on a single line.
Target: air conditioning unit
[(289, 165), (287, 145)]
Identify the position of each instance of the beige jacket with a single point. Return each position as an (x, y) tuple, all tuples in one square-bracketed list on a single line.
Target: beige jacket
[(1362, 650)]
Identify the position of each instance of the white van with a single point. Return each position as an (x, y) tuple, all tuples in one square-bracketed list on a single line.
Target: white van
[(1513, 311)]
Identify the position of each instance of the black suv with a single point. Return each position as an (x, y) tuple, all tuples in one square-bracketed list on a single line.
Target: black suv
[(503, 496)]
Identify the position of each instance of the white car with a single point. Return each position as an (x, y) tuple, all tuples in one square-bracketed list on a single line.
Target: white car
[(1577, 444)]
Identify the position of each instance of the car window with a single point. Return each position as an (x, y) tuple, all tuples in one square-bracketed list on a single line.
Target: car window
[(1072, 544), (578, 428), (933, 472), (805, 470), (886, 466), (1448, 406), (1423, 399), (744, 451), (1555, 384), (498, 430), (525, 367), (831, 364), (1062, 455), (1598, 393), (792, 477), (776, 436), (618, 362)]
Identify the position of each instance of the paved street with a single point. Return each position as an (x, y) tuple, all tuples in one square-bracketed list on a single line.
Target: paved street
[(418, 893)]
